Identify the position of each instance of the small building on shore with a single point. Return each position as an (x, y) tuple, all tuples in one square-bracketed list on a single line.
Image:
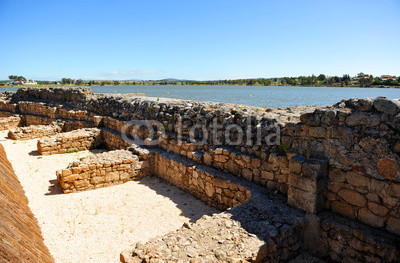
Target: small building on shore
[(387, 77)]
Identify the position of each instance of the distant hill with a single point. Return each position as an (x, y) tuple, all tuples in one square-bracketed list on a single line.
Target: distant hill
[(172, 79)]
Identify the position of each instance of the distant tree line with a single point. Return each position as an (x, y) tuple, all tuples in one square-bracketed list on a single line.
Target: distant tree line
[(361, 80)]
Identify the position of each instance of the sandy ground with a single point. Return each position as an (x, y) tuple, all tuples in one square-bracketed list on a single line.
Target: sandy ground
[(96, 225)]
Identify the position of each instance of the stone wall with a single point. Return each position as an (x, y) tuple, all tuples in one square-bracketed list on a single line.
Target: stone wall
[(21, 238), (211, 187), (34, 131), (100, 170), (360, 139), (113, 141), (38, 127), (335, 238), (78, 140), (8, 123), (61, 95), (5, 114)]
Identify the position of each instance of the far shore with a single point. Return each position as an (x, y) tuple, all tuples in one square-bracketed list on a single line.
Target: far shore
[(200, 85)]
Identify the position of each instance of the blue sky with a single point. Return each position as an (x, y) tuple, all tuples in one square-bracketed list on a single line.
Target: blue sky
[(208, 39)]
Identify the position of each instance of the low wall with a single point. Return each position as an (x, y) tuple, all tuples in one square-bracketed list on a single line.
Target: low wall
[(34, 131), (335, 238), (38, 127), (113, 141), (5, 114), (78, 140), (210, 187), (21, 238), (100, 170)]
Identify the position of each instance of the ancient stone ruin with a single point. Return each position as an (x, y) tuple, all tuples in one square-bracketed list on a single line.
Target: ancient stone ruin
[(326, 182)]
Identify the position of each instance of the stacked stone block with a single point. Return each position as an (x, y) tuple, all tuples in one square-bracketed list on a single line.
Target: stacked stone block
[(5, 114), (207, 184), (343, 240), (34, 131), (366, 199), (100, 170), (113, 140), (307, 183), (78, 140)]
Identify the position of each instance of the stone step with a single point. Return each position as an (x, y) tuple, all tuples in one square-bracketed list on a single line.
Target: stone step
[(332, 236), (259, 212)]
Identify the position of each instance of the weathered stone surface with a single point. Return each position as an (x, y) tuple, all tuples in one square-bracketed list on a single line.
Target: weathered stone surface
[(364, 215), (210, 239), (388, 168), (386, 105), (349, 241), (78, 140), (363, 118), (353, 197), (100, 170)]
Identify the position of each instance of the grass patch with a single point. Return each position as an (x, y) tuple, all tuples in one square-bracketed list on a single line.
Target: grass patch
[(72, 151)]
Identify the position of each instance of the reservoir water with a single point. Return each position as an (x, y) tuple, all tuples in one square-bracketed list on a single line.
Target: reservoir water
[(258, 96)]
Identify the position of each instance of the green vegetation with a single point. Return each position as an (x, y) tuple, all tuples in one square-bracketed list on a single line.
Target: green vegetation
[(16, 78), (72, 151), (361, 80)]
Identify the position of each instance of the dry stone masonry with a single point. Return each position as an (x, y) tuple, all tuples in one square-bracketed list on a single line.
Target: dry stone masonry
[(324, 172), (100, 170), (210, 186), (78, 140), (34, 131)]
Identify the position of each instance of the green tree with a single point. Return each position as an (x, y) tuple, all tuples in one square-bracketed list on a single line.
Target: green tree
[(66, 81), (366, 82), (321, 77), (79, 82)]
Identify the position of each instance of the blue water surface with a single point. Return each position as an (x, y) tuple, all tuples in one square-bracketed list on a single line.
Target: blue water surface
[(258, 96)]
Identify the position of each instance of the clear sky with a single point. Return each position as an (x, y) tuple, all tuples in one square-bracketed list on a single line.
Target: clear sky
[(207, 39)]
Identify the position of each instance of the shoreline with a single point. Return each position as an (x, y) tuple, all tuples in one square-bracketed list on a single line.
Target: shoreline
[(204, 85)]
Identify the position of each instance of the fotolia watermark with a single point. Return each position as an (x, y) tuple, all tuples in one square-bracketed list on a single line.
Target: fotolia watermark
[(150, 133)]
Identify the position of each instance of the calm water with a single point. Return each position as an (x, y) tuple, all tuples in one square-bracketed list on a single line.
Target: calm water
[(260, 96)]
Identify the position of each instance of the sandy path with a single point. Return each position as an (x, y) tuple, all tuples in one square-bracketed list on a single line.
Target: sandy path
[(95, 226)]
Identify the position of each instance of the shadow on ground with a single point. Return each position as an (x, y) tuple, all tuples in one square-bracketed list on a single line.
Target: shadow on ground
[(186, 202), (34, 153), (54, 188)]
